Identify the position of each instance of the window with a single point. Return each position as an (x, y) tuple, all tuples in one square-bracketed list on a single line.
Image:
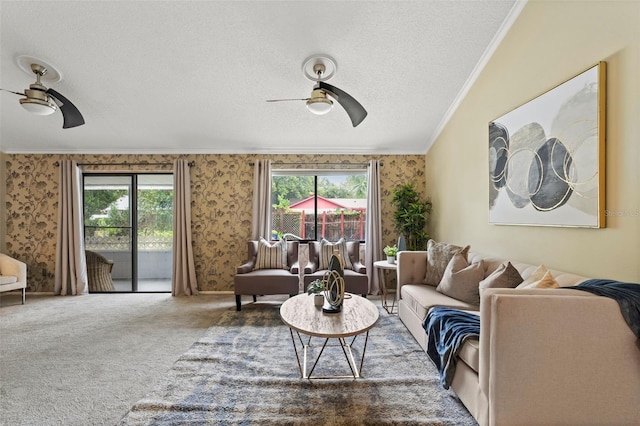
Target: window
[(316, 204)]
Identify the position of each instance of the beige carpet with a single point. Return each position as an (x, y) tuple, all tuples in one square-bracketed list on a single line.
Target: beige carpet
[(84, 360), (87, 360)]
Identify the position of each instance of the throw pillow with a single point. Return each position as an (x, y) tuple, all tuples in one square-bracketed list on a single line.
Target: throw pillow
[(271, 256), (438, 257), (327, 249), (536, 277), (506, 276), (460, 280), (546, 281)]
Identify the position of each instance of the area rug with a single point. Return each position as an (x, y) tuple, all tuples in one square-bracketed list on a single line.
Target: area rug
[(244, 371)]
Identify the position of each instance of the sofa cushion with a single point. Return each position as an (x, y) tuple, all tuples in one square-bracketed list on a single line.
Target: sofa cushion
[(327, 249), (438, 257), (506, 276), (266, 281), (420, 298), (470, 353), (271, 256), (8, 279), (460, 280)]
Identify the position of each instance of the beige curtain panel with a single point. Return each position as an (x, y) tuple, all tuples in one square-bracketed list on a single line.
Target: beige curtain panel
[(183, 279), (373, 242), (71, 267), (261, 224)]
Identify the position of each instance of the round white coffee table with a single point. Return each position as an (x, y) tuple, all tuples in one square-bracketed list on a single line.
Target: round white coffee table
[(358, 316)]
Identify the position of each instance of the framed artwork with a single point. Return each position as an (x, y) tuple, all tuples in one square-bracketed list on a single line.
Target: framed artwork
[(547, 157)]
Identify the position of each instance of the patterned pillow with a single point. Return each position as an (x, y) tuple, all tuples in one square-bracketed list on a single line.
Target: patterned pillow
[(271, 256), (460, 280), (438, 257), (326, 251), (506, 276)]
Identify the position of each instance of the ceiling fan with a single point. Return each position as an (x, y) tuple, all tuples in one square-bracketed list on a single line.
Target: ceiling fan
[(40, 100), (319, 69)]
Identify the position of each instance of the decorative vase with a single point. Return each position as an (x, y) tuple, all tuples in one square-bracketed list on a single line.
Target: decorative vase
[(318, 299), (391, 259)]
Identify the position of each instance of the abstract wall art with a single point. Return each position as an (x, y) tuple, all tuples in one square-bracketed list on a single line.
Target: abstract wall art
[(546, 157)]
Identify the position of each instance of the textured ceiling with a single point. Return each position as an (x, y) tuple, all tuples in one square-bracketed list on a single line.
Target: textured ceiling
[(193, 76)]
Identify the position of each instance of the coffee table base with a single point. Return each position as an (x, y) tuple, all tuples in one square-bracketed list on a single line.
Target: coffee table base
[(356, 372)]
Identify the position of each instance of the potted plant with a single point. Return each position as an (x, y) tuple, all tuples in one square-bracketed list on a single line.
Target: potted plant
[(411, 215), (391, 252), (316, 287)]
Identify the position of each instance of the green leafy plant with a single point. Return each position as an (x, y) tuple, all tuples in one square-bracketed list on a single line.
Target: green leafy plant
[(315, 286), (411, 216), (390, 250)]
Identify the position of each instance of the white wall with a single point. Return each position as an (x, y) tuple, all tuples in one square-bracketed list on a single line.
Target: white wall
[(549, 43)]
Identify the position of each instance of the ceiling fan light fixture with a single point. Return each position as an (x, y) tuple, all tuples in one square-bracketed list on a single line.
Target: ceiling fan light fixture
[(320, 106), (38, 107), (318, 103)]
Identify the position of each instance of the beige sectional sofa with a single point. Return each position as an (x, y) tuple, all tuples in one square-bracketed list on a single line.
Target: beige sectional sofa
[(545, 356)]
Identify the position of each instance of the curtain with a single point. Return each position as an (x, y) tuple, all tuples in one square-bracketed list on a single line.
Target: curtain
[(261, 224), (373, 242), (71, 264), (183, 279)]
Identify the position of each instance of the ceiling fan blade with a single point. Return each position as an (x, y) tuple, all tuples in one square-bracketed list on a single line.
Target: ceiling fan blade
[(285, 100), (356, 112), (70, 114), (15, 93)]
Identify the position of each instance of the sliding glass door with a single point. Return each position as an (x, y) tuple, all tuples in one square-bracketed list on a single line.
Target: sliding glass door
[(128, 222)]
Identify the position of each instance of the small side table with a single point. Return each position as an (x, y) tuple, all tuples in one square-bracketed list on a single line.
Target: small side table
[(383, 266)]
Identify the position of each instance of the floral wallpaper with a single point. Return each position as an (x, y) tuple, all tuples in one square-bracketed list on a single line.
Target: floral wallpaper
[(222, 187)]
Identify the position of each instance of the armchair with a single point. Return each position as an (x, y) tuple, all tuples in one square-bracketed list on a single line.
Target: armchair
[(251, 281), (356, 280), (99, 272), (13, 275)]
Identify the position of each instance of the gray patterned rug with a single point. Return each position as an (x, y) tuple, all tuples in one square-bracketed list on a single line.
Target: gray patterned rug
[(244, 371)]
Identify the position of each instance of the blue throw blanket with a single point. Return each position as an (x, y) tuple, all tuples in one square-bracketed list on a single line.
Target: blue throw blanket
[(447, 329), (626, 294)]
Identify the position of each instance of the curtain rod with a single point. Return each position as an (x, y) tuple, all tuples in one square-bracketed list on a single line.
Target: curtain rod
[(190, 163), (251, 163)]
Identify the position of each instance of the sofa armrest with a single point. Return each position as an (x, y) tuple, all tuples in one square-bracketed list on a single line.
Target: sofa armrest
[(412, 268), (13, 267), (568, 351), (359, 267), (245, 267), (295, 268)]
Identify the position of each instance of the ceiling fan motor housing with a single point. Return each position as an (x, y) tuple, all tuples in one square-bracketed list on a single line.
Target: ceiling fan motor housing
[(37, 95)]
